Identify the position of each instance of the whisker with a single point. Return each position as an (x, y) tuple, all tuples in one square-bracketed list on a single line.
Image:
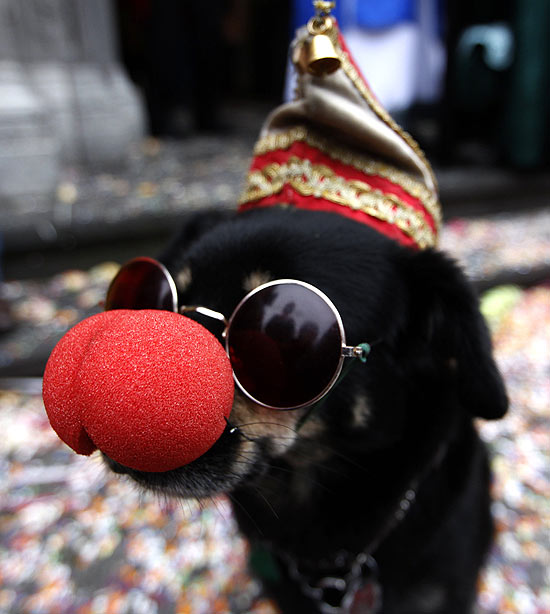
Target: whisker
[(241, 506), (264, 424), (319, 444), (297, 451), (184, 504), (215, 503), (301, 438), (271, 508)]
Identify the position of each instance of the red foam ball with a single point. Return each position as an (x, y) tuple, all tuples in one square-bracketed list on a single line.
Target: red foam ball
[(151, 389)]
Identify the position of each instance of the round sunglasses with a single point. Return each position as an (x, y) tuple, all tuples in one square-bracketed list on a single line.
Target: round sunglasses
[(285, 339)]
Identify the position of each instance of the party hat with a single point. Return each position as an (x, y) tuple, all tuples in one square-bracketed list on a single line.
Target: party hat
[(335, 148)]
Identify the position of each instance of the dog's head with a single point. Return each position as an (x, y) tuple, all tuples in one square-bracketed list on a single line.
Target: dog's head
[(362, 232), (430, 364)]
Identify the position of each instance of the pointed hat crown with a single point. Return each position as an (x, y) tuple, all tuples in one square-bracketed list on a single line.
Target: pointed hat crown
[(335, 148)]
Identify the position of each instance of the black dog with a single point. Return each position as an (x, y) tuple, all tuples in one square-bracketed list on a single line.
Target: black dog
[(377, 500)]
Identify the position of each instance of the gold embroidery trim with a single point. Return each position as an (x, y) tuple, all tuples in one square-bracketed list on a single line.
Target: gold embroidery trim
[(369, 166), (380, 111), (320, 181)]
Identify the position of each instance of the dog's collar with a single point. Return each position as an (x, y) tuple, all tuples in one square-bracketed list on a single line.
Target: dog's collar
[(348, 582), (345, 584)]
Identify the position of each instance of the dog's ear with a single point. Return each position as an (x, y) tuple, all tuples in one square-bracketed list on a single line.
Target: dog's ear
[(445, 312)]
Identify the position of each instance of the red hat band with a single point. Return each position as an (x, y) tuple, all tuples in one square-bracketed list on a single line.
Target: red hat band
[(302, 169)]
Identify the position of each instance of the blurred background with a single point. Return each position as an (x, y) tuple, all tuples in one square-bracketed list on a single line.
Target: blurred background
[(120, 117)]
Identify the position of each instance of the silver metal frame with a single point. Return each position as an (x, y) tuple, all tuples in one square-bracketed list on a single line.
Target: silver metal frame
[(165, 271), (347, 350), (205, 311), (171, 283)]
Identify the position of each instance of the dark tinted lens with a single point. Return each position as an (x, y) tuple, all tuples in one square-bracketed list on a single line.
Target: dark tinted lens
[(142, 283), (285, 345)]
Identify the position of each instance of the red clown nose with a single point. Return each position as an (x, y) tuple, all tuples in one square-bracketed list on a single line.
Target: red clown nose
[(150, 389)]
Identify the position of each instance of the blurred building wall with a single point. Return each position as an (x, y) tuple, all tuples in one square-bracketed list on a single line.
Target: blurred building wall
[(64, 97)]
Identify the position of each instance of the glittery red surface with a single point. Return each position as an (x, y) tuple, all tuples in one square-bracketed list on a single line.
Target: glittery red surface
[(151, 389)]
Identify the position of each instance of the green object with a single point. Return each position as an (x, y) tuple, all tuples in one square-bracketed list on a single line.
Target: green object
[(366, 351), (526, 125), (262, 562), (497, 302)]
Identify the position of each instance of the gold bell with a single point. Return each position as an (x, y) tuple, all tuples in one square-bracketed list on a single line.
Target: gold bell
[(321, 58)]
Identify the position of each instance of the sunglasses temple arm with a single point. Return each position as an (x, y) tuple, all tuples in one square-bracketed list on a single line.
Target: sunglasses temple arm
[(360, 351)]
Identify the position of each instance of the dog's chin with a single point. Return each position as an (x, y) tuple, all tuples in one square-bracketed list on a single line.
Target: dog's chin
[(224, 467), (242, 455)]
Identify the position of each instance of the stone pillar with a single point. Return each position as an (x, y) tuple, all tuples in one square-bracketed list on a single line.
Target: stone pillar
[(29, 148), (61, 87)]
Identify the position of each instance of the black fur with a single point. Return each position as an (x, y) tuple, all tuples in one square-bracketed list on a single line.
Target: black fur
[(337, 483)]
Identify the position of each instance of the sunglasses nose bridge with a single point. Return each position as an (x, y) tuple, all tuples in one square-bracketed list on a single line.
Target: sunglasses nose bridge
[(205, 311)]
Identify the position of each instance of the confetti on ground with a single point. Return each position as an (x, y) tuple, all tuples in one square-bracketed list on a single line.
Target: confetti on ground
[(517, 580), (516, 243), (76, 540), (44, 310)]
